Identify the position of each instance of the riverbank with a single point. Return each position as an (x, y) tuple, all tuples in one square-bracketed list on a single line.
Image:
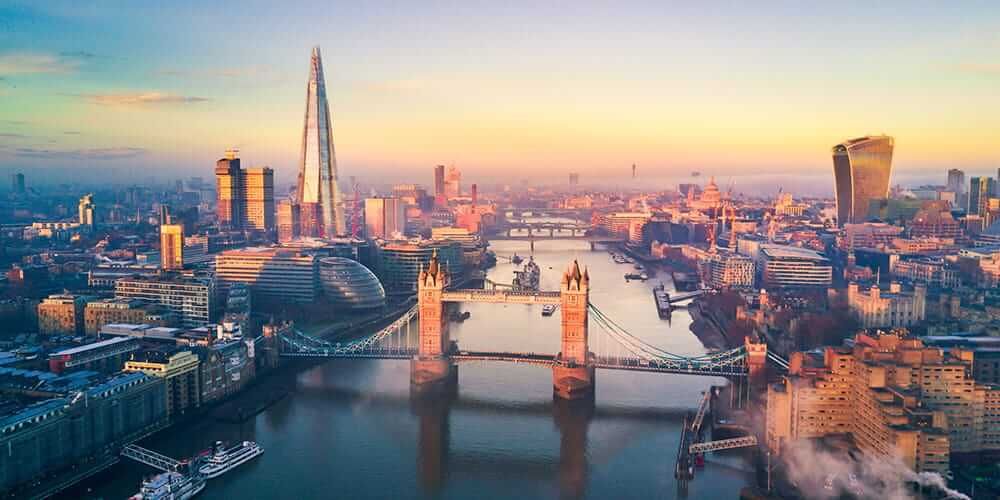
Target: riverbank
[(707, 328)]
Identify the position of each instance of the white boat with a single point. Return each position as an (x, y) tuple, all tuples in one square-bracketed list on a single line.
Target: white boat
[(225, 459), (548, 309), (170, 486)]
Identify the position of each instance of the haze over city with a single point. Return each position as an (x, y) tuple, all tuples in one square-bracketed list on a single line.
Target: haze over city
[(500, 89)]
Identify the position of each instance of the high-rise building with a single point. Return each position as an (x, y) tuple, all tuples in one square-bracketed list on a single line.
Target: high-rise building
[(453, 183), (440, 198), (384, 218), (318, 194), (861, 169), (979, 194), (245, 195), (17, 183), (229, 206), (574, 179), (956, 181), (288, 221), (171, 246), (258, 198), (87, 211)]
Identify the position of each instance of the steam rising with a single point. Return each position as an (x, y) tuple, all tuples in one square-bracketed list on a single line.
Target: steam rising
[(822, 474)]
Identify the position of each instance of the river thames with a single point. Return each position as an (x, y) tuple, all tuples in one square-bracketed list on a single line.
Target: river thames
[(349, 428)]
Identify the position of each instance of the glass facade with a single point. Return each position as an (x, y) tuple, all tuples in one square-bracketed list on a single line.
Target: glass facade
[(318, 193), (861, 169), (350, 285), (400, 263)]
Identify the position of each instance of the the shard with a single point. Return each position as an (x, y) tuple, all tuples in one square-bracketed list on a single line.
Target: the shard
[(318, 194)]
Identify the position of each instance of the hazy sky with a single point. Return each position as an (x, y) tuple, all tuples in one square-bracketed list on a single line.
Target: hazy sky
[(500, 88)]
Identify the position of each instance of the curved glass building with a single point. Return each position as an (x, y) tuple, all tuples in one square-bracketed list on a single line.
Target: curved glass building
[(861, 169), (350, 285)]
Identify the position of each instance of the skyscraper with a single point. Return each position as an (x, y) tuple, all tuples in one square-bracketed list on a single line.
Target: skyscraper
[(171, 246), (440, 198), (318, 193), (956, 181), (258, 198), (861, 169), (229, 205), (87, 211), (384, 217), (17, 183), (453, 183), (979, 194)]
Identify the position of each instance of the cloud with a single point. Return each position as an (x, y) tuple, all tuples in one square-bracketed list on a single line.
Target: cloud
[(26, 63), (980, 69), (81, 154), (230, 72), (78, 54), (11, 135), (71, 132), (141, 98), (16, 123)]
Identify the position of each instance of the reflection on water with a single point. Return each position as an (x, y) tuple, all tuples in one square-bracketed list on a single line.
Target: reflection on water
[(350, 429)]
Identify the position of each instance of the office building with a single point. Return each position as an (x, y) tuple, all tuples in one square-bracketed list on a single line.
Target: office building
[(228, 189), (934, 222), (861, 169), (191, 299), (289, 221), (17, 183), (245, 195), (453, 183), (440, 198), (980, 190), (258, 198), (98, 313), (730, 270), (349, 285), (277, 274), (574, 179), (105, 356), (399, 263), (385, 218), (61, 315), (869, 235), (874, 308), (956, 181), (318, 194), (934, 272), (171, 246), (783, 266), (87, 212)]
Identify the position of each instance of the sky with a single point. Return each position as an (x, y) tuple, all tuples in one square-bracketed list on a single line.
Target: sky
[(504, 90)]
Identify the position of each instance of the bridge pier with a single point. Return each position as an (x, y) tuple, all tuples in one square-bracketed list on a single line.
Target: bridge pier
[(573, 374)]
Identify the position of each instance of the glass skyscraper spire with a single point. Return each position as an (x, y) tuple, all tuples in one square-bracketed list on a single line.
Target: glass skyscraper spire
[(318, 193)]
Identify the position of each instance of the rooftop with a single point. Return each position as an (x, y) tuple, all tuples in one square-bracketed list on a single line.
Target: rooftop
[(792, 253)]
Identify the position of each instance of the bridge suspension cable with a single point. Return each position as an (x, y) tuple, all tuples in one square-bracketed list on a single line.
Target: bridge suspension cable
[(303, 343)]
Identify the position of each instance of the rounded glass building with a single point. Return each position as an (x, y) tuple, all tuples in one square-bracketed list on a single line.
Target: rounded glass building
[(350, 285)]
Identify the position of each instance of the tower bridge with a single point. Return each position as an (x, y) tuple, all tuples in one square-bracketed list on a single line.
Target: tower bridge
[(434, 356)]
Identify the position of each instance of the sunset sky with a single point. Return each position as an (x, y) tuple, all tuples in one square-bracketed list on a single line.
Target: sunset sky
[(500, 88)]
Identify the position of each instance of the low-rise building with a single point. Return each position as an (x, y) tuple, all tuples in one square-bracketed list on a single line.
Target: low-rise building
[(107, 356), (875, 308), (783, 266), (98, 313), (61, 315)]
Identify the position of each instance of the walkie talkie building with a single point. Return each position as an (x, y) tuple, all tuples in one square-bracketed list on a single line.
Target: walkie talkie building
[(861, 169)]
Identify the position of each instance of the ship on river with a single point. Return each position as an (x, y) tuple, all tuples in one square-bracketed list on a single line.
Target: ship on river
[(527, 279)]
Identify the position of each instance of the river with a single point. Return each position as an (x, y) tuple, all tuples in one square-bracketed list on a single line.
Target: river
[(349, 428)]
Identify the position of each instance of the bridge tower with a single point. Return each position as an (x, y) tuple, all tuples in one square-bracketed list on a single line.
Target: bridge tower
[(573, 374), (432, 365), (756, 362)]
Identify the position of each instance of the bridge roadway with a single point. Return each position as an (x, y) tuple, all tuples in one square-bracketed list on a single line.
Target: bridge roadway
[(626, 363), (501, 296)]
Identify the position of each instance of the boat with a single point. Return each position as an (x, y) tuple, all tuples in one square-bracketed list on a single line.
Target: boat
[(225, 459), (516, 259), (548, 310), (643, 276), (170, 486), (638, 267), (527, 279)]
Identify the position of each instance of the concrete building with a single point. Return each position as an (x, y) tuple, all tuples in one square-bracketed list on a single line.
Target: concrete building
[(861, 169), (179, 370), (440, 198), (896, 397), (385, 218), (785, 205), (106, 356), (934, 223), (877, 309), (171, 246), (869, 235), (191, 299), (783, 266), (623, 224), (271, 273), (933, 272), (61, 315), (258, 199)]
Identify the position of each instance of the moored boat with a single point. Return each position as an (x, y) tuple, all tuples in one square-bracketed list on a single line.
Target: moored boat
[(225, 459)]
